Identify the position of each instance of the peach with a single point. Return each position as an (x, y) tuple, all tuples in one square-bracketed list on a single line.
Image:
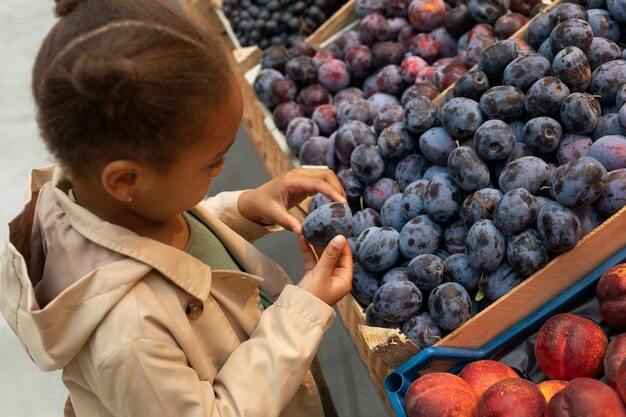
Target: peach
[(511, 397), (483, 374), (570, 346), (586, 397), (550, 387), (611, 294), (614, 358), (440, 394), (620, 382)]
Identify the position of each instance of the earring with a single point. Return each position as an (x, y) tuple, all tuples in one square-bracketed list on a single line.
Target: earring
[(130, 198)]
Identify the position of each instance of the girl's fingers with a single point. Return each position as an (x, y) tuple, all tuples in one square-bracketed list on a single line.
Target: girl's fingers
[(309, 257)]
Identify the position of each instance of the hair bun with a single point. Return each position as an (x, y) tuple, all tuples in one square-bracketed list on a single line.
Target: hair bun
[(65, 7), (104, 78)]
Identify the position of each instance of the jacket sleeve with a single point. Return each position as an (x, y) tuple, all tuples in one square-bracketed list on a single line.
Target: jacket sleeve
[(151, 378), (224, 207)]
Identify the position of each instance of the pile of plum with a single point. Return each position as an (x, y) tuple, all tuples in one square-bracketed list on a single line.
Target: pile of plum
[(276, 22), (452, 206)]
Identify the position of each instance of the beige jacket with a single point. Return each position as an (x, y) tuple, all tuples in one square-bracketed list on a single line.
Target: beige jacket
[(143, 329)]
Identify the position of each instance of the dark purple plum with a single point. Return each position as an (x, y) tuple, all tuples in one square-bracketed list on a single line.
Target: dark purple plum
[(579, 182), (367, 163), (589, 217), (617, 9), (454, 237), (372, 318), (285, 112), (602, 50), (529, 172), (326, 222), (321, 57), (391, 213), (395, 274), (425, 46), (502, 102), (351, 185), (508, 24), (426, 89), (446, 75), (559, 227), (607, 125), (347, 95), (484, 246), (422, 330), (374, 28), (494, 59), (350, 135), (389, 80), (377, 192), (365, 7), (613, 197), (410, 168), (579, 113), (572, 146), (539, 29), (450, 305), (542, 134), (333, 75), (446, 42), (544, 97), (426, 15), (301, 70), (325, 117), (420, 114), (356, 110), (397, 9), (299, 130), (413, 199), (344, 42), (566, 11), (410, 67), (442, 198), (516, 211), (525, 70), (262, 85), (461, 117), (387, 116), (378, 248), (488, 11), (313, 96), (317, 200), (359, 61), (436, 145), (494, 140), (610, 151), (572, 32), (458, 20), (468, 171), (526, 253), (275, 57), (435, 170), (284, 90), (603, 25), (387, 53), (499, 282), (420, 235), (380, 100), (425, 271), (479, 205), (472, 85), (456, 269), (397, 301), (395, 141), (317, 150), (571, 66), (607, 79), (546, 50), (366, 218), (365, 283)]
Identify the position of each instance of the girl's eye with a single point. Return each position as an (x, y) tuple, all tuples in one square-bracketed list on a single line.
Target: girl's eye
[(217, 164)]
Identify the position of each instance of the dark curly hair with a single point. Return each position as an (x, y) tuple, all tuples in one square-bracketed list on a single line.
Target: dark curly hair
[(125, 79)]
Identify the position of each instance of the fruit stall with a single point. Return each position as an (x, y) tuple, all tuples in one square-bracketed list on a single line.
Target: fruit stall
[(482, 147)]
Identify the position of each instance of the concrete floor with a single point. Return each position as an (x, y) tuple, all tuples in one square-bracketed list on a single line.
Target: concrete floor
[(24, 390)]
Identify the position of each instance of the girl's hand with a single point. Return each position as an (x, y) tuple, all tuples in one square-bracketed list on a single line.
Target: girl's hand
[(269, 203), (330, 278)]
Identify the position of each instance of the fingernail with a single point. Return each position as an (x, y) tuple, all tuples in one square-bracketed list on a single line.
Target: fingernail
[(338, 241)]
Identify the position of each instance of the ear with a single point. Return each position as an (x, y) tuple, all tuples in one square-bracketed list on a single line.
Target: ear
[(119, 179)]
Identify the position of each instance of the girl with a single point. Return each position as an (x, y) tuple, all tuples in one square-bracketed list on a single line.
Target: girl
[(151, 300)]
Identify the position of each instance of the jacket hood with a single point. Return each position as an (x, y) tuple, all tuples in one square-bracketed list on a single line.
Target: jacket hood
[(58, 280)]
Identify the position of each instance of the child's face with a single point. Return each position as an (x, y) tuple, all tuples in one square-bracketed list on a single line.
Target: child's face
[(188, 180)]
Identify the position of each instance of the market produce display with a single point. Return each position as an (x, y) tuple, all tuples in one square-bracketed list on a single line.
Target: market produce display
[(467, 195), (276, 22), (586, 374)]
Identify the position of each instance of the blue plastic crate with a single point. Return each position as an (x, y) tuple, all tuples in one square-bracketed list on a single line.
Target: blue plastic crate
[(398, 381)]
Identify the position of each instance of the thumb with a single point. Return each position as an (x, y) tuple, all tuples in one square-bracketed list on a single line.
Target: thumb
[(328, 260)]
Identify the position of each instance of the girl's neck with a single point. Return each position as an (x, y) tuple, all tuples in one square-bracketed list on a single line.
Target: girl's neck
[(173, 231)]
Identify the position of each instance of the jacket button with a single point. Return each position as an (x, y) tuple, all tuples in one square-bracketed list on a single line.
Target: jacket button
[(194, 308)]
